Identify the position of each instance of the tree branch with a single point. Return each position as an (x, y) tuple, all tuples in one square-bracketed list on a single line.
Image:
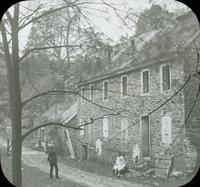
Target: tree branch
[(6, 23), (111, 114), (46, 93), (46, 13), (9, 17), (45, 48), (6, 48), (23, 20), (48, 124)]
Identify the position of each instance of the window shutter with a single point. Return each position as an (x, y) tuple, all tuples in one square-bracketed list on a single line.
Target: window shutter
[(166, 77), (166, 127), (145, 75), (124, 129), (105, 89), (105, 126), (124, 86), (82, 132)]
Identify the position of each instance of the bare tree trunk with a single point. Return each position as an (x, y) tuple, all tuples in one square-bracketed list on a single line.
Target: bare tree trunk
[(12, 63), (16, 103)]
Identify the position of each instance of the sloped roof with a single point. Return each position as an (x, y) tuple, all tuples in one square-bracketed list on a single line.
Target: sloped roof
[(70, 113), (150, 45), (54, 114)]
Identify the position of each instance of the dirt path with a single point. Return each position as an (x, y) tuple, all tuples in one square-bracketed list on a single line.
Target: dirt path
[(34, 159), (38, 160)]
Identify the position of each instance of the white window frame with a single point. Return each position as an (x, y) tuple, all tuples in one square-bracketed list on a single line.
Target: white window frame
[(82, 132), (91, 92), (171, 140), (122, 95), (125, 130), (161, 78), (104, 90), (142, 71), (106, 130)]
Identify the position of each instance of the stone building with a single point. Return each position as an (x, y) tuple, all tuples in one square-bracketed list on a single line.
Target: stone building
[(137, 106)]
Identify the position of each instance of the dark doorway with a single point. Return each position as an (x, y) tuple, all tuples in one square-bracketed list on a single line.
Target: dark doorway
[(145, 136), (84, 152)]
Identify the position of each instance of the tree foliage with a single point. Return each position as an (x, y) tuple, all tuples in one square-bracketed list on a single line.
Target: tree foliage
[(155, 16)]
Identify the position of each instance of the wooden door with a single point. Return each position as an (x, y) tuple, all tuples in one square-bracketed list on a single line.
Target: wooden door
[(84, 152), (145, 136)]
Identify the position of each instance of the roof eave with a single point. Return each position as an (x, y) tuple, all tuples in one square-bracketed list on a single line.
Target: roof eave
[(126, 71)]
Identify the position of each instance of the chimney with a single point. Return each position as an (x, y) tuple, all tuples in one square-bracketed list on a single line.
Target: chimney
[(59, 86), (109, 54), (132, 51)]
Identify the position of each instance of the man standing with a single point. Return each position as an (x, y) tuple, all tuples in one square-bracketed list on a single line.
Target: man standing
[(52, 158)]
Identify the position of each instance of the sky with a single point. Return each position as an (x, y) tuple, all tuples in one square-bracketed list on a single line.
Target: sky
[(114, 28), (138, 6)]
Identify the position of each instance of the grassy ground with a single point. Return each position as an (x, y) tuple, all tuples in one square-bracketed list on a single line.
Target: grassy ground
[(33, 177), (104, 169)]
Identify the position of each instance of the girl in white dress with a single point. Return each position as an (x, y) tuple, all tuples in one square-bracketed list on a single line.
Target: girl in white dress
[(117, 165), (122, 164)]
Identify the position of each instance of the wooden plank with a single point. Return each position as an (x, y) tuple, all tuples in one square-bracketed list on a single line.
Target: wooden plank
[(162, 167)]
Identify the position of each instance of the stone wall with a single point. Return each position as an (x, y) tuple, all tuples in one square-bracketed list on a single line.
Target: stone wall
[(132, 107), (193, 123)]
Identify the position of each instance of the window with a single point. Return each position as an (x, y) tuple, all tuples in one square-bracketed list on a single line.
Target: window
[(59, 82), (133, 45), (166, 129), (124, 129), (105, 126), (109, 55), (99, 147), (145, 81), (66, 84), (91, 92), (91, 130), (82, 95), (82, 132), (145, 135), (90, 127), (124, 87), (105, 89), (165, 77)]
